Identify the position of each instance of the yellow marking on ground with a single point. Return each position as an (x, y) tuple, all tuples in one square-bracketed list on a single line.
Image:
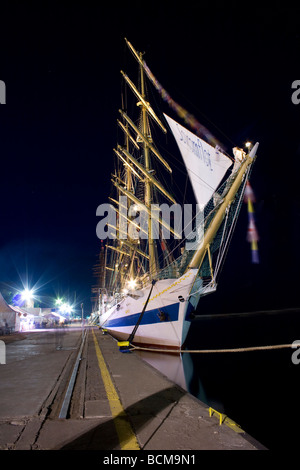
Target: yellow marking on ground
[(231, 424), (124, 430), (223, 419)]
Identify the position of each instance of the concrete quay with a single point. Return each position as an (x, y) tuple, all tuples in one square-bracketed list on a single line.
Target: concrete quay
[(119, 401)]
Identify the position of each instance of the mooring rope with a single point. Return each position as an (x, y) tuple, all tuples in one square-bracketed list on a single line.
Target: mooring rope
[(208, 351)]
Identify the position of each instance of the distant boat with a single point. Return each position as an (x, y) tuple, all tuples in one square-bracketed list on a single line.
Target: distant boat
[(151, 283)]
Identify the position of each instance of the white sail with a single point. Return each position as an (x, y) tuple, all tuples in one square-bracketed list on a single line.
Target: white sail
[(205, 164)]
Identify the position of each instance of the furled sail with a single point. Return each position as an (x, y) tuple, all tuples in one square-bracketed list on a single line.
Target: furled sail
[(205, 164)]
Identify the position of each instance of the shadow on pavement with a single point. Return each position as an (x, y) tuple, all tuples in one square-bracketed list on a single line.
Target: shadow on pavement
[(104, 436)]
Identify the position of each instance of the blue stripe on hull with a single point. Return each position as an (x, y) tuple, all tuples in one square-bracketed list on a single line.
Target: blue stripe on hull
[(151, 316), (188, 312)]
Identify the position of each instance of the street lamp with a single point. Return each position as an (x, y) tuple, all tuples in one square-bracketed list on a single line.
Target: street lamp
[(65, 308), (27, 297), (68, 308)]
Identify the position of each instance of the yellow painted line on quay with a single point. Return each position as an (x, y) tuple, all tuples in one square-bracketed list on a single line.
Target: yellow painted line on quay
[(124, 430)]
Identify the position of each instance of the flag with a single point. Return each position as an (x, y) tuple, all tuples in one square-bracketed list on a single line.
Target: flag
[(163, 246), (252, 234), (249, 194), (188, 118)]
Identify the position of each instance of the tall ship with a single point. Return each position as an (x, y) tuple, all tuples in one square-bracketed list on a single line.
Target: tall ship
[(159, 256)]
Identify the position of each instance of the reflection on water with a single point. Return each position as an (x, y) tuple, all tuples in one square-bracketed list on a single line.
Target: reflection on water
[(179, 368), (169, 365), (193, 380), (246, 386)]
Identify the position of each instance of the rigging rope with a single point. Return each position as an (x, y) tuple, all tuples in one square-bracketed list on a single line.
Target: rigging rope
[(131, 336), (221, 256), (213, 351), (183, 113)]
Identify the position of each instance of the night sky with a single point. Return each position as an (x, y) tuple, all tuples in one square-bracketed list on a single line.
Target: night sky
[(231, 66)]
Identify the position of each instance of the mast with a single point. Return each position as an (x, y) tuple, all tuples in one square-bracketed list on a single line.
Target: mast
[(129, 187), (148, 184), (139, 173)]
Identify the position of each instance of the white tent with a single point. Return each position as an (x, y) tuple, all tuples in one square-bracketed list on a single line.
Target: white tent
[(9, 317), (26, 320), (54, 317)]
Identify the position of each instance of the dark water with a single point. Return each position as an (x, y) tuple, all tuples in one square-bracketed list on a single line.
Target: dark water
[(259, 390)]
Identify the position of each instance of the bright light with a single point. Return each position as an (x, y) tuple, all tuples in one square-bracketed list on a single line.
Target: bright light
[(66, 308), (27, 294), (248, 144), (132, 284), (58, 301)]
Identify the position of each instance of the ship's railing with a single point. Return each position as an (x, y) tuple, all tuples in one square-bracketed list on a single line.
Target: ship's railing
[(176, 269)]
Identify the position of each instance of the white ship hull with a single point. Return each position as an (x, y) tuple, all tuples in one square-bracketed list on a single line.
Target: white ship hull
[(166, 320)]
